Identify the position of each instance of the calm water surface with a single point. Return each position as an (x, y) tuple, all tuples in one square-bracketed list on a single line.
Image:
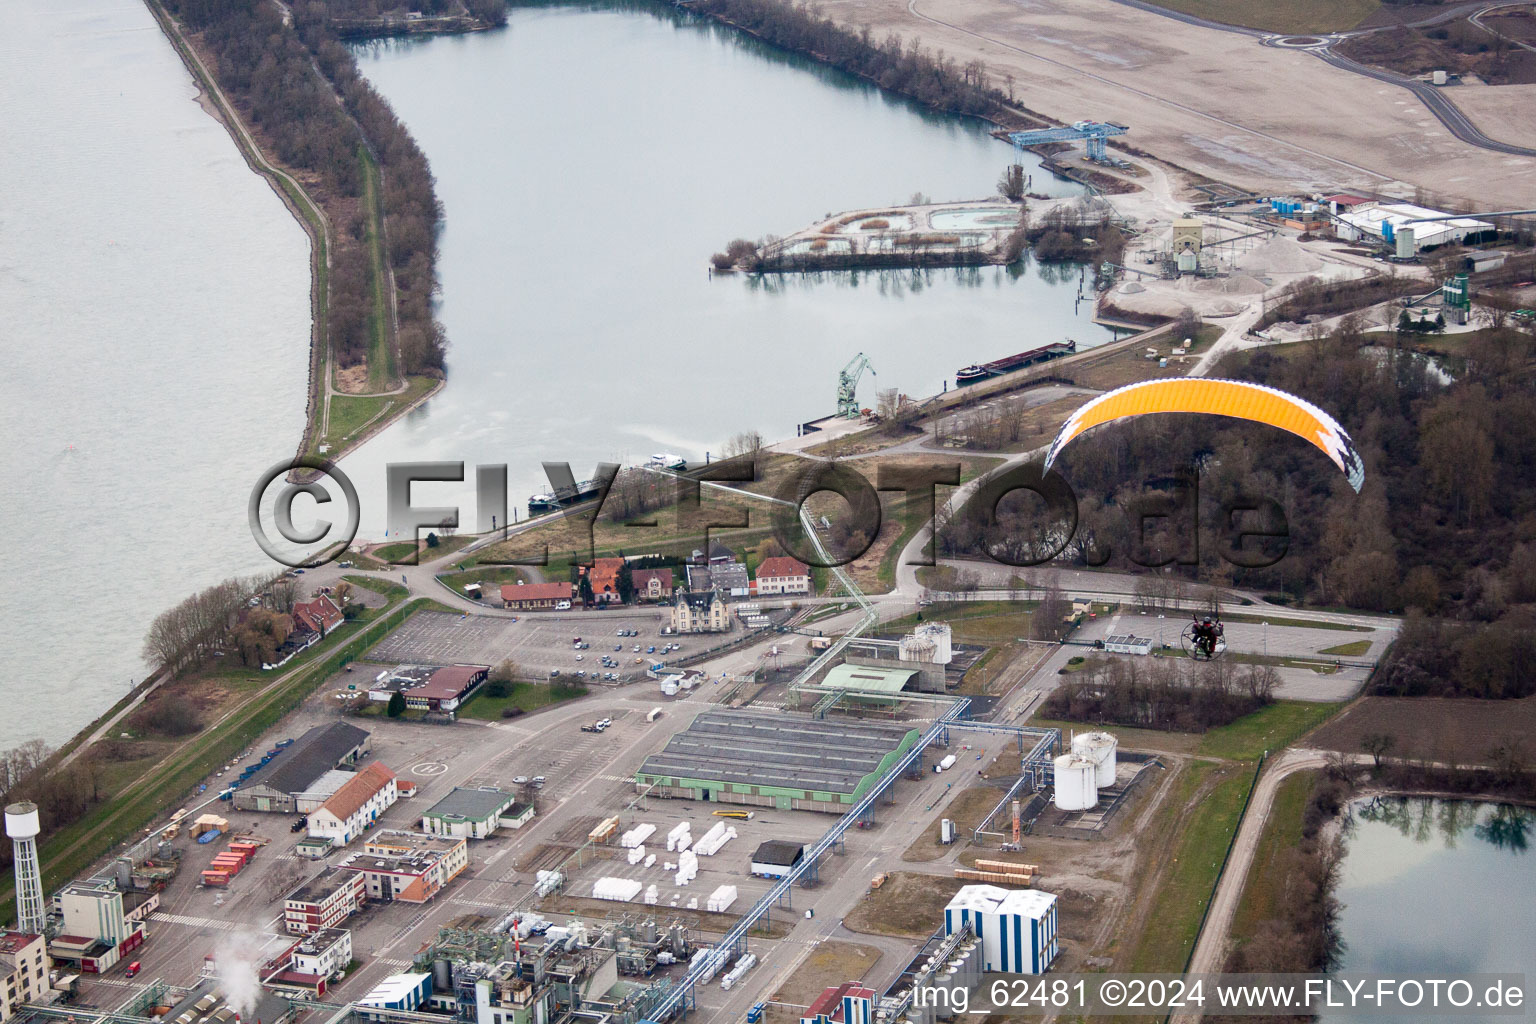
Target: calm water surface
[(1437, 887), (590, 159), (154, 326)]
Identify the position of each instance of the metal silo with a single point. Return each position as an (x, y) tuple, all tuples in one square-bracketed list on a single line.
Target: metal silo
[(1075, 786), (1100, 748)]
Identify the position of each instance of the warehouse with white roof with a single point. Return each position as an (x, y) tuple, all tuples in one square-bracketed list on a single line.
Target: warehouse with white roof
[(1381, 222)]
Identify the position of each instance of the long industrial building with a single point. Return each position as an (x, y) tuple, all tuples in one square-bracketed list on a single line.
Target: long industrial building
[(774, 760)]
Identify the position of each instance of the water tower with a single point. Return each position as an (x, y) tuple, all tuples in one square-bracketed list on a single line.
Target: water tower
[(22, 825)]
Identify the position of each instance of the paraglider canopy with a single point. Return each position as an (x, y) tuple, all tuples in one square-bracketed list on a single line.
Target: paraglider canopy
[(1235, 398)]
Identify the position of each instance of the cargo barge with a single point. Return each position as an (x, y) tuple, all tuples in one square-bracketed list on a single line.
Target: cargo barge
[(986, 371), (565, 497)]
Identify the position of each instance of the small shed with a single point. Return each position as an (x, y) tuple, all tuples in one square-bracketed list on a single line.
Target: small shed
[(776, 858)]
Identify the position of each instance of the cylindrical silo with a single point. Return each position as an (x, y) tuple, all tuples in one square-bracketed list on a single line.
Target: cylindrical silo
[(1075, 786), (1098, 747)]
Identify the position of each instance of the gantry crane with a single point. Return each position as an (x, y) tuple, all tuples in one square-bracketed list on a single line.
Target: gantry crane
[(847, 384), (1093, 134)]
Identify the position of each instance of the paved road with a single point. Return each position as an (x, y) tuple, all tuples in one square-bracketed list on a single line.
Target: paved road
[(1446, 111), (1211, 947)]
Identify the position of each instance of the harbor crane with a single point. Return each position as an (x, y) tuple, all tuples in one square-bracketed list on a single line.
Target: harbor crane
[(847, 384), (1092, 133)]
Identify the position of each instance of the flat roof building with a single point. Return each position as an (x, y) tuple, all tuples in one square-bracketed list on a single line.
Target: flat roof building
[(775, 760), (24, 967), (474, 813), (411, 867), (324, 901)]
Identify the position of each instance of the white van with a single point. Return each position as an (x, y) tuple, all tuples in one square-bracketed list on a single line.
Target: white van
[(562, 606)]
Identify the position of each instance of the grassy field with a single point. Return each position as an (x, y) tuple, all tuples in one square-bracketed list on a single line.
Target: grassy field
[(1291, 16), (1272, 728), (351, 414), (398, 552), (1265, 885), (528, 696), (383, 373), (1218, 793), (1348, 650)]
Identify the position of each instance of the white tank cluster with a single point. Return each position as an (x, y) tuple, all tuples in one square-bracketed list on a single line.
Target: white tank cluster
[(1076, 786), (1098, 747), (620, 890), (637, 835), (929, 642)]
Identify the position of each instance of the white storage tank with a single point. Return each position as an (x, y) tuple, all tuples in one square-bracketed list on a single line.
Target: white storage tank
[(1075, 786), (939, 634), (1100, 748)]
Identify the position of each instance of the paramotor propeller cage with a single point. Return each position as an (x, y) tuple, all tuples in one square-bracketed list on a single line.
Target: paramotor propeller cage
[(1198, 648)]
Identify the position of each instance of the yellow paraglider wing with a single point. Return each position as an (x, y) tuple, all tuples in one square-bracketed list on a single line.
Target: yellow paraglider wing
[(1235, 398)]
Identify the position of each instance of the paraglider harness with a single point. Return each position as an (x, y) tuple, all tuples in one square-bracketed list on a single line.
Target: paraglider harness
[(1206, 633)]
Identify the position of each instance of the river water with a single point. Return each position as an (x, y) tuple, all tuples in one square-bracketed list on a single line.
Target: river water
[(155, 333), (589, 159), (1437, 887)]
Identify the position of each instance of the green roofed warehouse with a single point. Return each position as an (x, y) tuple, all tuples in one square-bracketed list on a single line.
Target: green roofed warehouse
[(775, 760)]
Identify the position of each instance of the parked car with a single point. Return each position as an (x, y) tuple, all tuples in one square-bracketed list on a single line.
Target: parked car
[(521, 780), (538, 780)]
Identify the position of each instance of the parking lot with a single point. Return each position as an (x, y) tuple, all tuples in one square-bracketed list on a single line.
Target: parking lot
[(538, 644)]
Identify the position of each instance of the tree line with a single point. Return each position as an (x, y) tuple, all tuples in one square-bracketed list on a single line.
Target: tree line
[(286, 83), (1446, 522), (247, 616), (900, 66), (1161, 693)]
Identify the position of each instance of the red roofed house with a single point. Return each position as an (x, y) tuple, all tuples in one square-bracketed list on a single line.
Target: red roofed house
[(532, 597), (355, 806), (653, 584), (848, 1003), (604, 576), (318, 616), (783, 575)]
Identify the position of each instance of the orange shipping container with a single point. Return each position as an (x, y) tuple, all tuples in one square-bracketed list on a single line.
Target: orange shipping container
[(218, 878)]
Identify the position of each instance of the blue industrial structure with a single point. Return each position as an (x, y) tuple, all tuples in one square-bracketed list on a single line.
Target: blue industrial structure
[(1092, 133)]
